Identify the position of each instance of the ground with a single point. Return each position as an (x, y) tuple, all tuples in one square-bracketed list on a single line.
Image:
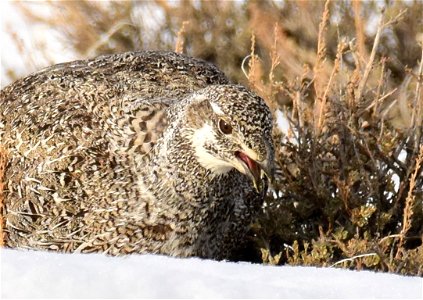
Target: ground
[(52, 275)]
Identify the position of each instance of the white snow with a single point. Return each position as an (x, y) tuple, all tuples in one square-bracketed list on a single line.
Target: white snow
[(34, 274), (282, 122)]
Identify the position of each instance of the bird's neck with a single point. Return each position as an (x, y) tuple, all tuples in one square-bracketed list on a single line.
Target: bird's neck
[(204, 203), (178, 162)]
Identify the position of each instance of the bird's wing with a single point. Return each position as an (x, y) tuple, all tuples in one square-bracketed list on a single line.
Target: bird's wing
[(122, 96), (137, 130)]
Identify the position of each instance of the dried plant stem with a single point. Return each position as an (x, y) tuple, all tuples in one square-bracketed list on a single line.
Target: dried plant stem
[(274, 56), (254, 68), (321, 51), (409, 202), (252, 62), (179, 47), (369, 65), (273, 86), (339, 52), (3, 156), (388, 237), (318, 67), (379, 86), (359, 29), (353, 258), (379, 100), (297, 108), (416, 118), (243, 65), (106, 37)]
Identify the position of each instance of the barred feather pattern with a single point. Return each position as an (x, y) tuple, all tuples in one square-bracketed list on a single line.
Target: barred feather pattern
[(101, 157)]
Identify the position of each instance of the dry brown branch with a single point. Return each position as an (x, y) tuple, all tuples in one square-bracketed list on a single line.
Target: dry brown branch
[(378, 100), (369, 65), (318, 67), (3, 157), (341, 48), (409, 202), (379, 86), (359, 30), (91, 51), (416, 118), (275, 61), (381, 26), (254, 72), (352, 258), (321, 52), (179, 47), (275, 57), (263, 21), (253, 59)]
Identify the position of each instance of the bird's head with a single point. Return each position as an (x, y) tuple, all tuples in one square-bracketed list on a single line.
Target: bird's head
[(230, 127)]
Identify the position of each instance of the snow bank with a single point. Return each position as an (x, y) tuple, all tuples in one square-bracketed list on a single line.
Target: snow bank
[(41, 274)]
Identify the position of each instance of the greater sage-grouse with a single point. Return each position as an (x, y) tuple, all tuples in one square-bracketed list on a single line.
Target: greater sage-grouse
[(133, 153)]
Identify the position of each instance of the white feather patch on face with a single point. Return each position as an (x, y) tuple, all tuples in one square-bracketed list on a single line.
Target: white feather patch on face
[(216, 108), (207, 160)]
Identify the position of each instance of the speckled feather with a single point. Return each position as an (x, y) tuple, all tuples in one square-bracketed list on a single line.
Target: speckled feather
[(103, 157)]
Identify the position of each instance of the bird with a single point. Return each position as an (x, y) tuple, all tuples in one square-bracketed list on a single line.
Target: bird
[(137, 152)]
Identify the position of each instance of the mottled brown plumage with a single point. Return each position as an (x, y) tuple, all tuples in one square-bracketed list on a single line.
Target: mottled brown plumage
[(132, 153)]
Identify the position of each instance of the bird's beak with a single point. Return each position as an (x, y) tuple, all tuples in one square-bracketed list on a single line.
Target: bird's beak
[(259, 172)]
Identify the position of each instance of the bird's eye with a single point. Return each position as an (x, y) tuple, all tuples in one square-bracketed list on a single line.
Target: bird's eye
[(225, 127)]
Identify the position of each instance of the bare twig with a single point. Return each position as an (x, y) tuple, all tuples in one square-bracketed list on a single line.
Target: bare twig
[(379, 86), (359, 29), (252, 62), (243, 65), (409, 201), (254, 71), (353, 258), (179, 47), (378, 100), (371, 59), (339, 52), (273, 85), (274, 56), (369, 65), (106, 37), (416, 118), (388, 237), (3, 159), (321, 51)]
